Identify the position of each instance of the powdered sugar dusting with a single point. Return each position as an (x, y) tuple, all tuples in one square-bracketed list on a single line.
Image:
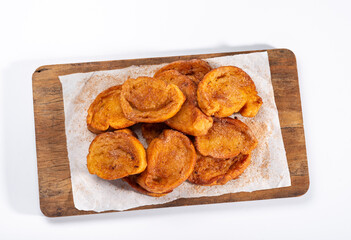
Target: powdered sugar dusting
[(268, 169)]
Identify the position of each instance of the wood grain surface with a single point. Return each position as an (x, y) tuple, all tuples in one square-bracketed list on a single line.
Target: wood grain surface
[(53, 167)]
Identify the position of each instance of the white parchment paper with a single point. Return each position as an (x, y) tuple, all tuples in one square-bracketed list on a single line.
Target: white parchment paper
[(269, 168)]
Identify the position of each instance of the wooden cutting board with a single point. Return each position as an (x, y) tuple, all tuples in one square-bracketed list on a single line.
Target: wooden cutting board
[(55, 187)]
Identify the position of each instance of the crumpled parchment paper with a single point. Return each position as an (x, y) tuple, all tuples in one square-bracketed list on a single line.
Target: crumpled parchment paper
[(269, 168)]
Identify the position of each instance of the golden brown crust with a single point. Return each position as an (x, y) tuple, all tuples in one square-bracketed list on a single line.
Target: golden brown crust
[(131, 180), (171, 159), (184, 83), (227, 90), (105, 112), (150, 100), (195, 69), (190, 119), (128, 131), (209, 171), (226, 139), (151, 131), (114, 155)]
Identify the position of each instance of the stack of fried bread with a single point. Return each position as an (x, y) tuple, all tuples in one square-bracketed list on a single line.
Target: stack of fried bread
[(184, 114)]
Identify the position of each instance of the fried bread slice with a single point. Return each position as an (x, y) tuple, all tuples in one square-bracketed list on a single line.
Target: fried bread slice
[(146, 99), (226, 139), (195, 69), (114, 155), (171, 158), (209, 171), (131, 180), (227, 90), (106, 113)]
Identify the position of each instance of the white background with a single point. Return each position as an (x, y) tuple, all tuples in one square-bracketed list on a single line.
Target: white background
[(34, 33)]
